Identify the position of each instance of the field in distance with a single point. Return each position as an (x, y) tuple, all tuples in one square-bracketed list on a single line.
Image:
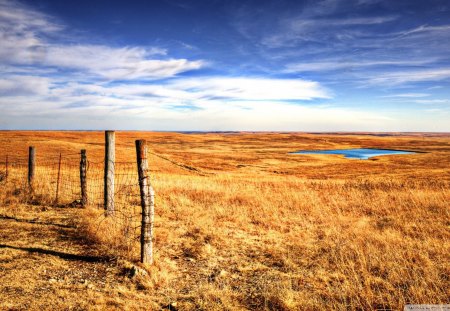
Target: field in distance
[(243, 224)]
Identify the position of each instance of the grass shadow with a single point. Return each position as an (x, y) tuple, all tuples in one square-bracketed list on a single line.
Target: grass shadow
[(33, 221), (61, 255)]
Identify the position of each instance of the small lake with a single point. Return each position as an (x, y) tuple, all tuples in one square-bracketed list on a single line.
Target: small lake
[(361, 153)]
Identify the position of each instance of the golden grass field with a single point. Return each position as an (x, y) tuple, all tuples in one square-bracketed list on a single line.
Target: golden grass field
[(241, 224)]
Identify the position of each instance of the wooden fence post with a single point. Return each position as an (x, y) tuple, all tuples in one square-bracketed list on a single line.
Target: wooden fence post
[(147, 203), (58, 180), (83, 179), (31, 165), (110, 158)]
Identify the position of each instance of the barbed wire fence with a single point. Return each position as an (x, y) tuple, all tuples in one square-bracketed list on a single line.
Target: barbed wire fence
[(72, 180)]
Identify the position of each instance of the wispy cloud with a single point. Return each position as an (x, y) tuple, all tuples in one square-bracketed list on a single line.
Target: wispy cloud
[(205, 103), (24, 86), (410, 76), (94, 80), (338, 65), (55, 79), (183, 105), (427, 29), (26, 37), (20, 19), (118, 63), (205, 89), (292, 31), (433, 101), (407, 95), (22, 31), (253, 88), (336, 39)]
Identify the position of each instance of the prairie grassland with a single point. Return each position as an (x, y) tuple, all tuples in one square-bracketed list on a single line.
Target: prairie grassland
[(242, 224)]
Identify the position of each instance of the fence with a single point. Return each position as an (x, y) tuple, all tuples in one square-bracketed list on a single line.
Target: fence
[(122, 189)]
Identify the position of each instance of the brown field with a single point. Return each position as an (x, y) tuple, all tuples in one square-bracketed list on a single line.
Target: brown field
[(240, 224)]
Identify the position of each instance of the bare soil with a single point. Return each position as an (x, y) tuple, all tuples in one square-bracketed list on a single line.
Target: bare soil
[(45, 264)]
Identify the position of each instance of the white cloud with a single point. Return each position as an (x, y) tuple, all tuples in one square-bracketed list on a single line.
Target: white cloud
[(117, 63), (214, 103), (337, 64), (433, 101), (410, 76), (408, 95), (96, 110), (435, 87), (315, 28), (21, 32), (36, 92), (25, 36), (210, 89), (427, 29), (273, 115), (253, 88), (23, 86), (299, 24), (185, 104), (18, 18)]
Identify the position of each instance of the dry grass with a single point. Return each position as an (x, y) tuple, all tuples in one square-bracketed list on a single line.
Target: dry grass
[(241, 224)]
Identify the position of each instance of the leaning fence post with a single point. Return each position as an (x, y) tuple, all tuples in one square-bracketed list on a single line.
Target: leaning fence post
[(109, 172), (31, 165), (147, 203), (83, 179), (58, 179)]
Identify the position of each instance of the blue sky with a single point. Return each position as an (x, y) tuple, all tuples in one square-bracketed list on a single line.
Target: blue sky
[(331, 65)]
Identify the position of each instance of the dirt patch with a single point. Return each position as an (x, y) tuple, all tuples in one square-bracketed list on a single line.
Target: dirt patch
[(45, 264)]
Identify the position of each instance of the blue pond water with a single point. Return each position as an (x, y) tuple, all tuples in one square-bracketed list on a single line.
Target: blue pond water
[(362, 153)]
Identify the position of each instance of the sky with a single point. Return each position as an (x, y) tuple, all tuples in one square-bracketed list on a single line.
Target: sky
[(225, 65)]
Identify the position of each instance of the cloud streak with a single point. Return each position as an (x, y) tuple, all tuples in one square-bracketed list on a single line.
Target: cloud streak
[(410, 76), (339, 65), (407, 95), (24, 86), (94, 80), (117, 63), (26, 40), (253, 89), (286, 73)]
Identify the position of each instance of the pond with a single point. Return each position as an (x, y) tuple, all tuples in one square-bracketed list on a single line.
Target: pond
[(359, 153)]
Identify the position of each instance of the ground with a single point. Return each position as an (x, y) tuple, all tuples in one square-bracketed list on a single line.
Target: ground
[(240, 224), (45, 264)]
